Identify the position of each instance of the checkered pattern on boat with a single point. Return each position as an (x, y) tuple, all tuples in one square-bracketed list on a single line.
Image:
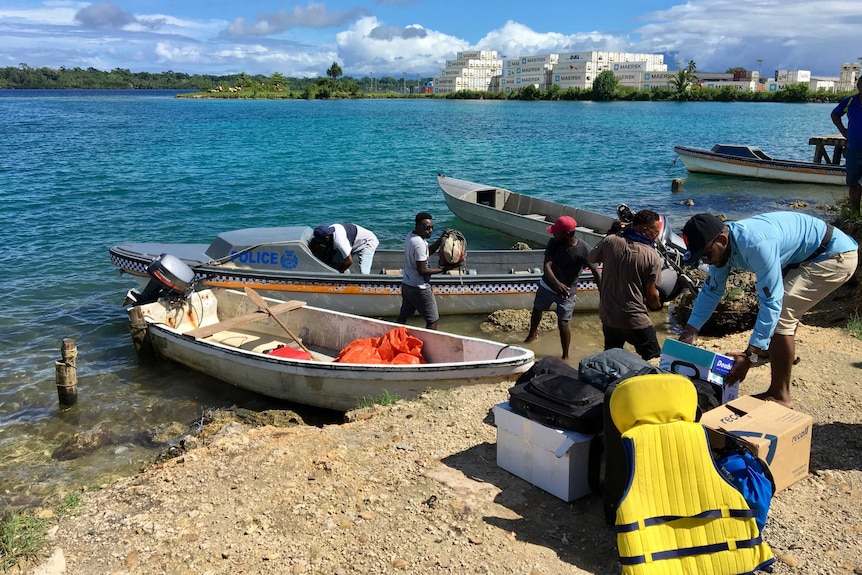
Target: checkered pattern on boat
[(383, 287)]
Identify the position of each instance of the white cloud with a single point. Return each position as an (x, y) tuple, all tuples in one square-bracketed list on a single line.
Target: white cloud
[(312, 16), (514, 39), (816, 35), (791, 34), (367, 47)]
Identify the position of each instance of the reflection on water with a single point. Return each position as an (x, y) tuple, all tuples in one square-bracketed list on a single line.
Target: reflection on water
[(121, 423)]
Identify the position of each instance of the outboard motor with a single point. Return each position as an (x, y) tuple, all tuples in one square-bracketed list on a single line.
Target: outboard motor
[(171, 277), (672, 248)]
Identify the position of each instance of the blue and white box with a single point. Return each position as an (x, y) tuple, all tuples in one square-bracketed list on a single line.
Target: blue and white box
[(693, 361)]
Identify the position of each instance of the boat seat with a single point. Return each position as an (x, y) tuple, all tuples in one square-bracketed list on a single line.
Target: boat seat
[(260, 342), (392, 272), (586, 229), (535, 216), (228, 324), (524, 272)]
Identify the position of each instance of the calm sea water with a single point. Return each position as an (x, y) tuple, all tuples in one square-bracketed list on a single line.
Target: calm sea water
[(83, 170)]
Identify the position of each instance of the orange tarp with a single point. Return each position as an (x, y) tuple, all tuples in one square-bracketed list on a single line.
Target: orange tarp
[(397, 346)]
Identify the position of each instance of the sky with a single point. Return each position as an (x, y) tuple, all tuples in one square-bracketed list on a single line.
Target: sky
[(413, 38)]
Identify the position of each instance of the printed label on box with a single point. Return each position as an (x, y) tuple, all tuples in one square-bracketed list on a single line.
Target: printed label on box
[(779, 436), (696, 362)]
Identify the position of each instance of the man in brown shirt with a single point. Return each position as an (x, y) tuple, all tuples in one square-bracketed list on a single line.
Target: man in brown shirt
[(631, 268)]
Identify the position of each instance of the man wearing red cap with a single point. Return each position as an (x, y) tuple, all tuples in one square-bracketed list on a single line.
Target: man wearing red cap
[(798, 260), (565, 257)]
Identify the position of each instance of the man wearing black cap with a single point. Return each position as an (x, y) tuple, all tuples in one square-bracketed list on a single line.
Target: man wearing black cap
[(347, 239), (798, 260)]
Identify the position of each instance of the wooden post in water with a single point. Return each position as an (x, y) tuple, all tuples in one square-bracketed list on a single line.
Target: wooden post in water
[(676, 185), (67, 374), (138, 330)]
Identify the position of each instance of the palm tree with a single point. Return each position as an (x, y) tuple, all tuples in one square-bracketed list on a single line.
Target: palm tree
[(684, 79), (334, 71)]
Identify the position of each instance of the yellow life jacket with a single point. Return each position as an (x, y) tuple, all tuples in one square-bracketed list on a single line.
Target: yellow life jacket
[(678, 515)]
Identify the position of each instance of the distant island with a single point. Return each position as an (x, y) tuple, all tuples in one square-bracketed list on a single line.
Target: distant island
[(336, 86)]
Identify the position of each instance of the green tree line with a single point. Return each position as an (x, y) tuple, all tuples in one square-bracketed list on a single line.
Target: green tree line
[(683, 86), (26, 77)]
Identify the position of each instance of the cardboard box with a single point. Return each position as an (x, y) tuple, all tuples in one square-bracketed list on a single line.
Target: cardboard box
[(693, 361), (555, 460), (779, 436)]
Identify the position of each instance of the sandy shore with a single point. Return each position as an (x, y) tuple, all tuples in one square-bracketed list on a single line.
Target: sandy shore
[(415, 488)]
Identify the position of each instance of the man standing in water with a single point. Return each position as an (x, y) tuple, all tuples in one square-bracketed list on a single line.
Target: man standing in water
[(565, 257), (852, 107), (631, 268), (416, 294)]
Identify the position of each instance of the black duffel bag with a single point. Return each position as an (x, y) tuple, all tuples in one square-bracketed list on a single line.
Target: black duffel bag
[(552, 394)]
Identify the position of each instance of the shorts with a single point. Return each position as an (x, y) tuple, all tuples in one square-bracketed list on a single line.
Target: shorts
[(854, 167), (644, 340), (565, 306), (808, 284), (422, 300)]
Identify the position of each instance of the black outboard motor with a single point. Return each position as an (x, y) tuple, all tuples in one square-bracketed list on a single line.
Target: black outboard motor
[(672, 248), (171, 278)]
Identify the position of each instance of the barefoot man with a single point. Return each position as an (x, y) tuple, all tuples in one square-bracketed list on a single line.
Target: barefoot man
[(565, 257), (798, 260)]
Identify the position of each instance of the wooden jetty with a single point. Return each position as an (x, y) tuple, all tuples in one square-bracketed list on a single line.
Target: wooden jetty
[(821, 143)]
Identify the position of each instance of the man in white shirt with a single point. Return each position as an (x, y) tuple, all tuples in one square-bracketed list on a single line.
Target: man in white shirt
[(349, 239), (416, 294)]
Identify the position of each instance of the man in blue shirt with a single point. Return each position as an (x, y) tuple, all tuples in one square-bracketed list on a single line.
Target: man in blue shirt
[(798, 260), (852, 106)]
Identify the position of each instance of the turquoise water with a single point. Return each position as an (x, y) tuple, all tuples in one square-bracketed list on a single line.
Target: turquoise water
[(80, 171)]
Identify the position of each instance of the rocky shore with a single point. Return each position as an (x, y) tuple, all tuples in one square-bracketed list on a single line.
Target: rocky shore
[(415, 488)]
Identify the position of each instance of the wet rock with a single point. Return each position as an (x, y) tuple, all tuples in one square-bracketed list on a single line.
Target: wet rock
[(83, 443), (736, 312), (517, 320)]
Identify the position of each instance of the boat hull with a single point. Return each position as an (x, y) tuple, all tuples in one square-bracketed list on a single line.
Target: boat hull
[(236, 356), (286, 269), (708, 162), (521, 216)]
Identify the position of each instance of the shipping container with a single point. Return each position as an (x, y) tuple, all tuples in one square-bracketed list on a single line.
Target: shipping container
[(574, 66)]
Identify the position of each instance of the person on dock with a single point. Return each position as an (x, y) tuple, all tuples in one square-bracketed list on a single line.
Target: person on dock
[(347, 239), (852, 107), (798, 260), (565, 257), (631, 268), (416, 294)]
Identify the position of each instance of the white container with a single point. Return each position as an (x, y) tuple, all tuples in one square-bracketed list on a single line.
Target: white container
[(552, 459), (630, 67)]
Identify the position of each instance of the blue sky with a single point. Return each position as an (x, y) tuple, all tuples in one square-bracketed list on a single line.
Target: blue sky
[(415, 37)]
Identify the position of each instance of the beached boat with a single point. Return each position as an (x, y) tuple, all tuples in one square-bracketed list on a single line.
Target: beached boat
[(279, 263), (521, 216), (752, 162), (224, 334), (527, 218)]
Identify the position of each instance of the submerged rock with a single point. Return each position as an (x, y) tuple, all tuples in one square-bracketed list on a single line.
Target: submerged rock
[(83, 443)]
